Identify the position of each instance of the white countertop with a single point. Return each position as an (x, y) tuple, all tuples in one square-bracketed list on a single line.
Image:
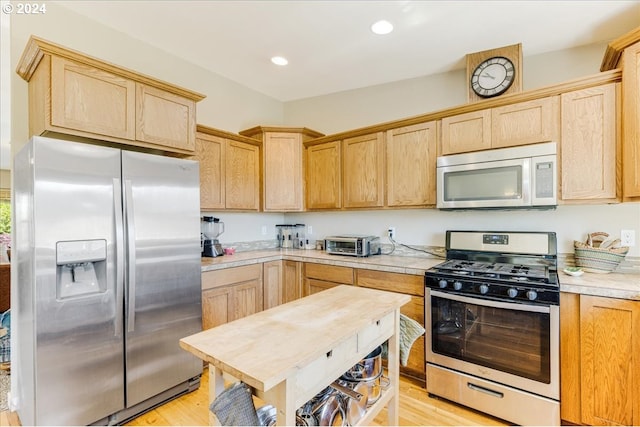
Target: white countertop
[(614, 285)]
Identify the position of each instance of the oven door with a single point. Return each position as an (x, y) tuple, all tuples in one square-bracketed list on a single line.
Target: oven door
[(512, 344), (502, 183)]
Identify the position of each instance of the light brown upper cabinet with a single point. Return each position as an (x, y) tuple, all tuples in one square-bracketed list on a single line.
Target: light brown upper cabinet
[(76, 94), (229, 170), (411, 165), (282, 166), (590, 144), (624, 53), (363, 171), (631, 123), (324, 176), (520, 123)]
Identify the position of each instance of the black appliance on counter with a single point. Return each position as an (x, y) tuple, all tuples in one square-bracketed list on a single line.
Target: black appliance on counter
[(492, 322), (211, 228)]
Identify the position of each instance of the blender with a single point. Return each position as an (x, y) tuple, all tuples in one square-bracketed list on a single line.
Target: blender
[(210, 229)]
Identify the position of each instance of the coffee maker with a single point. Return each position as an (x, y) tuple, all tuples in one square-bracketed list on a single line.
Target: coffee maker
[(210, 229)]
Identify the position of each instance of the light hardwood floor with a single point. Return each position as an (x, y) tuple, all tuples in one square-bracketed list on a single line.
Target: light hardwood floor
[(416, 408)]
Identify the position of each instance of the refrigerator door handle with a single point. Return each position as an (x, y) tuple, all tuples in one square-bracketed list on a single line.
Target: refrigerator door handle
[(117, 210), (131, 256)]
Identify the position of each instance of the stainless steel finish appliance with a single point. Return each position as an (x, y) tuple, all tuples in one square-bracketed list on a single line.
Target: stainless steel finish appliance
[(507, 178), (492, 316), (107, 259), (360, 246), (211, 228)]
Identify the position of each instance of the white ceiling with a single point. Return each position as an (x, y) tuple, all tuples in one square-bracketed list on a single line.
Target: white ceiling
[(330, 47)]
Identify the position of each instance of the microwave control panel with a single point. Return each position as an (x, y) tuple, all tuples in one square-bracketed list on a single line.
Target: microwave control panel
[(544, 179)]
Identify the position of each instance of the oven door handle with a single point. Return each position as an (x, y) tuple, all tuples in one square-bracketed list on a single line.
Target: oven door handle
[(491, 303)]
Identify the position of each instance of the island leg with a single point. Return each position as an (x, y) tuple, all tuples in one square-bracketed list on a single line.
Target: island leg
[(216, 386), (283, 398), (393, 370)]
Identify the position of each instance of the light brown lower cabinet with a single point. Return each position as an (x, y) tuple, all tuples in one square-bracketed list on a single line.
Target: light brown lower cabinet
[(231, 294), (318, 277), (406, 284), (599, 360), (272, 283), (291, 281)]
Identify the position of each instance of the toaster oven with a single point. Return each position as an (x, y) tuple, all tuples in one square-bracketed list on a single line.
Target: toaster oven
[(359, 246)]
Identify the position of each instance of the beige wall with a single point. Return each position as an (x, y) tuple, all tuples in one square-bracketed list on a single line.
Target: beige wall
[(5, 178), (232, 107), (228, 105)]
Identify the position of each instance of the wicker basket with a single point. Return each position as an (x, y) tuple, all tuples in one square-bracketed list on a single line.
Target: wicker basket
[(591, 257)]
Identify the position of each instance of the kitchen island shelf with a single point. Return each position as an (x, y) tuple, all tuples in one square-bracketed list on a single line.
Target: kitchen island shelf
[(291, 352)]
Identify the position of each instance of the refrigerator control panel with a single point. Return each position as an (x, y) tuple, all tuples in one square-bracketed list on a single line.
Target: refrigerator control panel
[(80, 251)]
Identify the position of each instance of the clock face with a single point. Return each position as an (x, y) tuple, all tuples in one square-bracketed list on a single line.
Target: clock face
[(493, 76)]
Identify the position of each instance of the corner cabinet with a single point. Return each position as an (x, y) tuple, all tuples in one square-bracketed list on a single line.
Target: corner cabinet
[(520, 123), (282, 166), (229, 170), (75, 94), (589, 152), (600, 360)]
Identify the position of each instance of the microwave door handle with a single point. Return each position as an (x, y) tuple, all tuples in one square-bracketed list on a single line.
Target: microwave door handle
[(527, 181)]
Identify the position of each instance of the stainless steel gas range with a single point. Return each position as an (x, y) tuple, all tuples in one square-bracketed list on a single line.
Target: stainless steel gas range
[(492, 316)]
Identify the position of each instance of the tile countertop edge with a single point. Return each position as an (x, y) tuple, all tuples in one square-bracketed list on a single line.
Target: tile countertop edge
[(613, 285)]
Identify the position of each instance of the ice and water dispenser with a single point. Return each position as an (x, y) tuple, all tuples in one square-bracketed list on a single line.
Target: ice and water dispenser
[(291, 236), (81, 268)]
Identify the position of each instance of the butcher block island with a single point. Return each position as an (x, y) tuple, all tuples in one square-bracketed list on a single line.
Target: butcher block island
[(291, 352)]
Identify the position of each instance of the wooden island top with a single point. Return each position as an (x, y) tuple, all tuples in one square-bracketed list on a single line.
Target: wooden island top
[(293, 351)]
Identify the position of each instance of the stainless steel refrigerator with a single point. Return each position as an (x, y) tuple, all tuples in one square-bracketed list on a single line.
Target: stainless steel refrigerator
[(107, 258)]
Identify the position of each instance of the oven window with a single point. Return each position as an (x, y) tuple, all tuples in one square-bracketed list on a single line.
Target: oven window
[(499, 183), (507, 340)]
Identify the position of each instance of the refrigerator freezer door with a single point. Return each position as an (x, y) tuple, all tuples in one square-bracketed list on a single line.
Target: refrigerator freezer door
[(78, 363), (163, 297)]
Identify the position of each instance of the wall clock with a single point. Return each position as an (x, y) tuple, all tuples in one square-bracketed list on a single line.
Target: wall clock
[(494, 72)]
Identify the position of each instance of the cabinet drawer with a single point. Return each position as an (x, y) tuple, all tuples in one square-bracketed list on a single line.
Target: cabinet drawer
[(228, 276), (375, 333), (316, 375), (329, 273), (394, 282)]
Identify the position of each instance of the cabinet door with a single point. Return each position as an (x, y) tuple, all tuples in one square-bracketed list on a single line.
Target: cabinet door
[(631, 122), (242, 176), (610, 356), (247, 299), (272, 284), (363, 171), (165, 119), (283, 178), (312, 286), (466, 132), (411, 165), (217, 307), (324, 176), (292, 281), (589, 143), (570, 406), (525, 123), (86, 99), (210, 152)]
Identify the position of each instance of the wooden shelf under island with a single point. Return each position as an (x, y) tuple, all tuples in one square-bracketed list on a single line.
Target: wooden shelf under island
[(291, 352)]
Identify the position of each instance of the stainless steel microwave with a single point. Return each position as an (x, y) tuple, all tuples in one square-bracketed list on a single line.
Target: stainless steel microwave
[(507, 178)]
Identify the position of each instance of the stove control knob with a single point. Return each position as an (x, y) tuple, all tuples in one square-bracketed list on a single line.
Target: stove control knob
[(442, 283), (532, 295), (484, 289), (457, 286), (512, 292)]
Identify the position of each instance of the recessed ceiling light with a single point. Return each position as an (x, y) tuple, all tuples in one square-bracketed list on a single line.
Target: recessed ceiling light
[(279, 60), (382, 27)]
